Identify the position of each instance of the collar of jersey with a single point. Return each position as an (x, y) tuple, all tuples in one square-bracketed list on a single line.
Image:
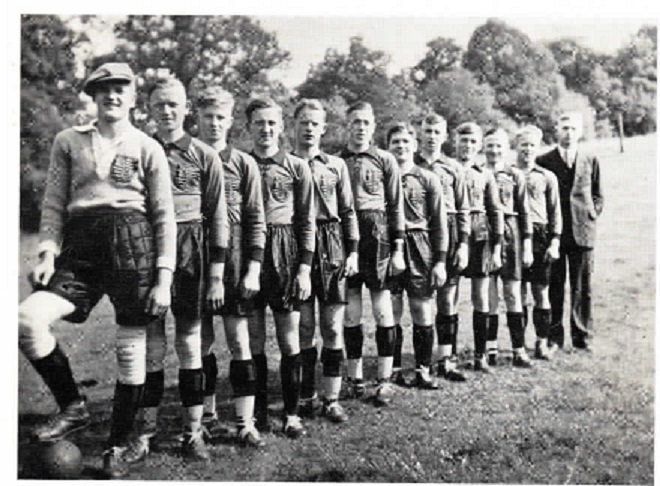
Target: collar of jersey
[(182, 144)]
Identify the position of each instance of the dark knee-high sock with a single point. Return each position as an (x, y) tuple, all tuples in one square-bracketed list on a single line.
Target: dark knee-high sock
[(353, 339), (398, 345), (290, 374), (516, 329), (56, 373), (541, 322), (261, 378), (154, 389), (124, 409), (480, 329), (308, 386), (210, 367), (493, 326), (423, 345), (444, 326)]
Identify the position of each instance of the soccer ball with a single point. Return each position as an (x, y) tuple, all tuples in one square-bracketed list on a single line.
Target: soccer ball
[(61, 460)]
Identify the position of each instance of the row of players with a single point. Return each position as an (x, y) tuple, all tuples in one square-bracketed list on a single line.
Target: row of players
[(216, 230)]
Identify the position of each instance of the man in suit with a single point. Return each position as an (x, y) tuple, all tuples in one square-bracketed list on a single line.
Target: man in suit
[(581, 200)]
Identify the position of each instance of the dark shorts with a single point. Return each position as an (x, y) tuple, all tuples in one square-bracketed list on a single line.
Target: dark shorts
[(416, 278), (279, 270), (511, 251), (328, 281), (109, 253), (373, 251), (235, 267), (479, 248), (453, 274), (539, 272), (189, 282)]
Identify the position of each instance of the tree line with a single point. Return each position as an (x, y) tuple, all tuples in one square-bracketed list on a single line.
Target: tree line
[(503, 78)]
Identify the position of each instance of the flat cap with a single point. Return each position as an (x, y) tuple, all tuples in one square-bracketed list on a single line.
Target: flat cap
[(110, 71)]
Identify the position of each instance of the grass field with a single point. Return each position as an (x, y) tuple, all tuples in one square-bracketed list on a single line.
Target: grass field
[(577, 419)]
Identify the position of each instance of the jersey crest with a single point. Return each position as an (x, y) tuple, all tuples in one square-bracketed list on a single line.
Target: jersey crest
[(280, 189), (185, 177), (123, 168)]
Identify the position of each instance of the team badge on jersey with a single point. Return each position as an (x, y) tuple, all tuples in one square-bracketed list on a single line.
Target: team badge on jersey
[(327, 183), (123, 168), (280, 189), (185, 177), (231, 190), (415, 195), (535, 187), (371, 181), (476, 192)]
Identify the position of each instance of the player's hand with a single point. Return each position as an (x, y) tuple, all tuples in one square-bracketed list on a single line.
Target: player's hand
[(160, 295), (397, 262), (438, 275), (43, 271), (497, 256), (215, 294), (351, 267), (527, 255), (250, 285), (303, 282), (461, 257), (552, 253)]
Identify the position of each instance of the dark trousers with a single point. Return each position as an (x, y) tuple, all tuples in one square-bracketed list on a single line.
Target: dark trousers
[(580, 262)]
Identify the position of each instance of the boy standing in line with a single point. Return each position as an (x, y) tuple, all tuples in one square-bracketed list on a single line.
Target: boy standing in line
[(335, 258)]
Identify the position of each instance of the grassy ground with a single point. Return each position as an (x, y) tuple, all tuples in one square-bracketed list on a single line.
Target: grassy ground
[(578, 419)]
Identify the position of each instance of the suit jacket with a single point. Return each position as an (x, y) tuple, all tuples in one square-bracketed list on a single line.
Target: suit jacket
[(586, 194)]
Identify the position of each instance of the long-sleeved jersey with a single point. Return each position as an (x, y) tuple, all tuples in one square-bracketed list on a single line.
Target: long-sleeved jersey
[(514, 200), (376, 185), (452, 179), (288, 194), (544, 206), (199, 190), (424, 208), (245, 204), (333, 196), (483, 196), (132, 174)]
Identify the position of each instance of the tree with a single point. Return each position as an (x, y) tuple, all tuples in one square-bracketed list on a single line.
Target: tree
[(459, 97), (635, 65), (48, 97), (359, 75), (443, 55), (524, 75)]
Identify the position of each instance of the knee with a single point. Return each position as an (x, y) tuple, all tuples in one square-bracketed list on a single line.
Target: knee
[(156, 348), (34, 337), (208, 335), (188, 348), (131, 350)]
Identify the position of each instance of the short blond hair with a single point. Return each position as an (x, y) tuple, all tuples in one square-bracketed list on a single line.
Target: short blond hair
[(532, 131), (214, 96)]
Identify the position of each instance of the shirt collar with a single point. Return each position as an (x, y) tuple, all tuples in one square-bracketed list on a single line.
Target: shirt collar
[(278, 158), (225, 153), (182, 144), (371, 151), (322, 156), (90, 127)]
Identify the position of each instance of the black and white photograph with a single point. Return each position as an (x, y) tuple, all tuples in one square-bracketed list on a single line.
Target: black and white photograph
[(344, 244)]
